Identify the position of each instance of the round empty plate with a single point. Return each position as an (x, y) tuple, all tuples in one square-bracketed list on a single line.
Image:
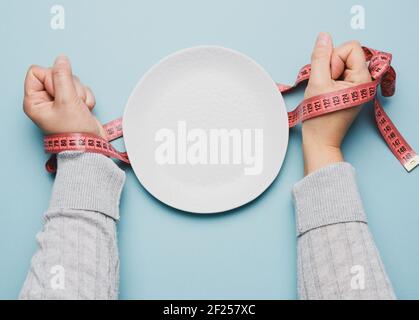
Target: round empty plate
[(206, 130)]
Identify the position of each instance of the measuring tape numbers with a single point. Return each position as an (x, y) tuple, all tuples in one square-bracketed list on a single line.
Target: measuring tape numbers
[(382, 73)]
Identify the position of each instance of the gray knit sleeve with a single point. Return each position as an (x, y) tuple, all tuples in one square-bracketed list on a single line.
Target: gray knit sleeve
[(77, 256), (337, 257)]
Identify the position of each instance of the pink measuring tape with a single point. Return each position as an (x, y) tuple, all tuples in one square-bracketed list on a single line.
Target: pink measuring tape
[(381, 71)]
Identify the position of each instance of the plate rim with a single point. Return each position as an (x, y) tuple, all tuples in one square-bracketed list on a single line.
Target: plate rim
[(183, 51)]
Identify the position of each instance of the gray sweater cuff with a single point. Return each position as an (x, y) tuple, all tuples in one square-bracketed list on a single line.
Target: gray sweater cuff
[(327, 196), (87, 181)]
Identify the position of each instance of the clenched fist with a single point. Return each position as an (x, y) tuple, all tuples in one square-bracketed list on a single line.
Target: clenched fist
[(332, 69), (57, 102)]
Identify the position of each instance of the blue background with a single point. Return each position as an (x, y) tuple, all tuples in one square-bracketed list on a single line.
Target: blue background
[(247, 253)]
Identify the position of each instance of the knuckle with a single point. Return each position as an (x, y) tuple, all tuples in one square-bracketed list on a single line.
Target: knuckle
[(32, 67), (355, 44), (60, 72)]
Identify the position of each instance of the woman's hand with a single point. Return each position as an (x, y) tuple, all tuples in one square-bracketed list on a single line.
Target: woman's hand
[(57, 102), (332, 69)]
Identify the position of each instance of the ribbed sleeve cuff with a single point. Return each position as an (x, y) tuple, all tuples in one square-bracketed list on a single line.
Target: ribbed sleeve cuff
[(87, 181), (327, 196)]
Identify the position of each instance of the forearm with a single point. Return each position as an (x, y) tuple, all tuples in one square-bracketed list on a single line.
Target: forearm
[(337, 257), (77, 256)]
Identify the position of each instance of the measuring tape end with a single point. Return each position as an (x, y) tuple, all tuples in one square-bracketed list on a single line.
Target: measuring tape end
[(412, 163)]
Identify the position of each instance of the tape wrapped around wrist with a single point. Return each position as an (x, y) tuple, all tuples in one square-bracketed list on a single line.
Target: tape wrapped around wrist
[(382, 74)]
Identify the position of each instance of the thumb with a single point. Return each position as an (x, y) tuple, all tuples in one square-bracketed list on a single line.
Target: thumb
[(320, 60), (62, 78)]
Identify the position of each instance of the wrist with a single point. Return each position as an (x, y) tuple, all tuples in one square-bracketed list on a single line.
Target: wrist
[(318, 155)]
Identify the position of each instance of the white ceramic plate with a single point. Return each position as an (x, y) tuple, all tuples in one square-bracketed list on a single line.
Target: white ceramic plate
[(206, 130)]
